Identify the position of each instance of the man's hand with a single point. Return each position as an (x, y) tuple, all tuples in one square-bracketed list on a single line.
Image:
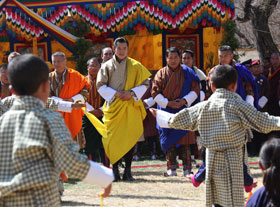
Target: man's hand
[(107, 191), (125, 95), (153, 111), (69, 100), (176, 104), (77, 105), (97, 112)]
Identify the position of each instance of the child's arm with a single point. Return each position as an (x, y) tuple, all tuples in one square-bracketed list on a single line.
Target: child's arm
[(65, 155), (186, 119), (251, 118)]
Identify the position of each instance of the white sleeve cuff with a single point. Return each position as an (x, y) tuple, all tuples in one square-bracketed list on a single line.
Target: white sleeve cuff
[(64, 106), (250, 99), (202, 95), (99, 175), (56, 98), (139, 92), (78, 97), (150, 102), (160, 100), (107, 93), (262, 101), (190, 97), (89, 107), (163, 118)]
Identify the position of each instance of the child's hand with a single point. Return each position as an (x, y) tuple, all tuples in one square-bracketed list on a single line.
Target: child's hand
[(107, 191), (153, 111)]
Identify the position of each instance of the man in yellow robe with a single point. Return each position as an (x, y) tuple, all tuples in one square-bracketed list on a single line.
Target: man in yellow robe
[(122, 81)]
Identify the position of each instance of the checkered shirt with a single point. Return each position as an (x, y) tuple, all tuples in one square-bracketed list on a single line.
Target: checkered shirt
[(221, 121), (3, 108), (51, 103), (35, 147)]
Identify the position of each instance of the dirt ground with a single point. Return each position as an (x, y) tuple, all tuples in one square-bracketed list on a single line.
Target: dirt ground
[(151, 188)]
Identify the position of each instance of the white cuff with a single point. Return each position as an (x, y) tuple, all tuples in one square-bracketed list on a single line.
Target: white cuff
[(64, 106), (262, 101), (160, 100), (107, 93), (150, 102), (163, 118), (202, 95), (139, 92), (99, 175), (89, 107), (250, 99), (190, 97), (56, 98), (78, 97)]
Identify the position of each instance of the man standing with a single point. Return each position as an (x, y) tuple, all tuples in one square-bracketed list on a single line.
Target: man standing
[(175, 87), (69, 85), (4, 86), (106, 54), (94, 146), (122, 81), (246, 85), (273, 104)]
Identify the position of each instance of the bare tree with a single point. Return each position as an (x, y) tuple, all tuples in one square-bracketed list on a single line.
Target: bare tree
[(259, 11)]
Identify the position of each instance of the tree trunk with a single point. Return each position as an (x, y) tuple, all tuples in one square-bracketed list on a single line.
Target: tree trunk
[(265, 43)]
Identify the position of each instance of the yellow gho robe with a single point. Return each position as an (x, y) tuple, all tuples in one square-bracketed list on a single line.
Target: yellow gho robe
[(123, 120)]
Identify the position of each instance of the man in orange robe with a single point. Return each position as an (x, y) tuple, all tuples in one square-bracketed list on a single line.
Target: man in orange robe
[(69, 85)]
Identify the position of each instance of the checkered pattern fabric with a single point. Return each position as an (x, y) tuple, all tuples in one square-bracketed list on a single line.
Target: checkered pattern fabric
[(221, 121), (3, 108), (51, 103), (35, 147)]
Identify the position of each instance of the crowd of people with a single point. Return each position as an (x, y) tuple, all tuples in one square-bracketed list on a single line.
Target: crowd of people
[(179, 106)]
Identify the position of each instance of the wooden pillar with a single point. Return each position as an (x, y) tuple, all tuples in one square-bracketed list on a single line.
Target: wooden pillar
[(35, 48)]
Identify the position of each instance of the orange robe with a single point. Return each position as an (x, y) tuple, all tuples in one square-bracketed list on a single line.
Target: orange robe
[(74, 83)]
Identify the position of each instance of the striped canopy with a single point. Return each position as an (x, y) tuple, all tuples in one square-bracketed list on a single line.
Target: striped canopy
[(25, 19)]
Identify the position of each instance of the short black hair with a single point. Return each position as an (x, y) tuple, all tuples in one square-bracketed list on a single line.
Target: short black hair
[(4, 67), (223, 76), (226, 48), (188, 52), (26, 73), (172, 49), (121, 40)]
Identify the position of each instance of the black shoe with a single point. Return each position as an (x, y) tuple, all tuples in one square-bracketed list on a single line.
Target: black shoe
[(116, 175), (127, 175)]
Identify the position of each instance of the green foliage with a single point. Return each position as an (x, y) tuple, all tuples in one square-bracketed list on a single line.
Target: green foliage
[(81, 47), (229, 38), (79, 29)]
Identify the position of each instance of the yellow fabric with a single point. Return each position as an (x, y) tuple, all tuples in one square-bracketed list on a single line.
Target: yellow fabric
[(99, 126), (124, 119)]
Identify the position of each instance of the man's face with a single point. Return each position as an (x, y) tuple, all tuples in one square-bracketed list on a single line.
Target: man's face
[(4, 76), (173, 60), (275, 60), (59, 63), (121, 50), (107, 54), (225, 57), (187, 59), (255, 69), (93, 68)]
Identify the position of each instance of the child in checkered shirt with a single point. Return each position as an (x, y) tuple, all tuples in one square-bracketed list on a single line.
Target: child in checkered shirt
[(221, 122), (36, 144)]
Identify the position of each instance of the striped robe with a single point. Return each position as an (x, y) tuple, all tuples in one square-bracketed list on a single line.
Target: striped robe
[(170, 83)]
